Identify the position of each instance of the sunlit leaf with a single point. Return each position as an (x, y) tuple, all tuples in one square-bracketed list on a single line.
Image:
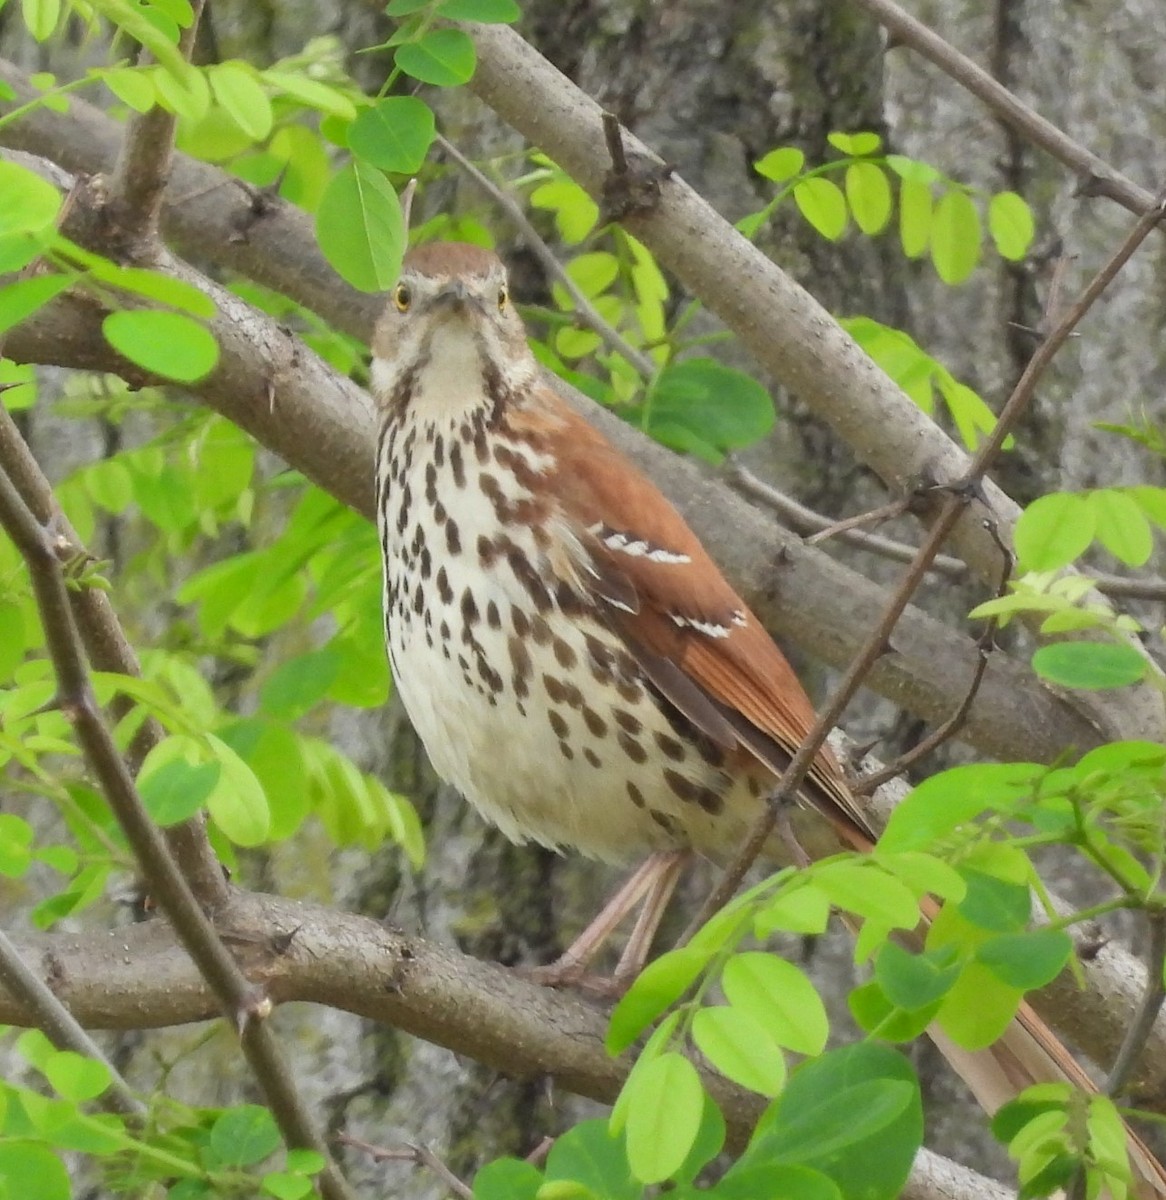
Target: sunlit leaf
[(394, 134), (360, 228), (167, 344), (1011, 225), (955, 237), (740, 1047), (665, 1104), (1091, 666), (443, 57), (237, 89), (780, 164), (1054, 530), (869, 195), (823, 205)]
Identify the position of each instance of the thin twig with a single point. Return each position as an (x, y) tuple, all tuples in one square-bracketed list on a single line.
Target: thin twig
[(956, 498), (412, 1152), (143, 164), (884, 512), (585, 311), (245, 1006), (1147, 1012), (805, 521), (61, 1026), (1098, 177)]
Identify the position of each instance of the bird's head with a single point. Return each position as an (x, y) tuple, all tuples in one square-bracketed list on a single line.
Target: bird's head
[(449, 334)]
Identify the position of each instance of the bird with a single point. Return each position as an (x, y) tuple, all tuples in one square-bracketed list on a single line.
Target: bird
[(566, 649)]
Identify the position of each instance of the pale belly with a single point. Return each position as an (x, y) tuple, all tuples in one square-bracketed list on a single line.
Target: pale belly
[(540, 719)]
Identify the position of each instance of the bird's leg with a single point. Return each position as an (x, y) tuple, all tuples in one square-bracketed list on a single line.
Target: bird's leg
[(650, 885)]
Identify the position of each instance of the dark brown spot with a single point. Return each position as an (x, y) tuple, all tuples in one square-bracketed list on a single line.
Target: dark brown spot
[(566, 751), (595, 723), (493, 617), (403, 511), (667, 823), (490, 677), (541, 632), (419, 600), (628, 722), (443, 588), (418, 543), (572, 695), (487, 551), (691, 793), (439, 513), (469, 609), (430, 483), (443, 632), (629, 691), (457, 464), (633, 749), (635, 795), (520, 621), (710, 800), (600, 659), (670, 747), (481, 443), (520, 662), (592, 757), (529, 578), (425, 566), (555, 688), (754, 786), (453, 539), (439, 450), (558, 722), (564, 655)]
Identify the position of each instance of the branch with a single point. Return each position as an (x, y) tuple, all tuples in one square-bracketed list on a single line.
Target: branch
[(1097, 177), (143, 166), (108, 649), (58, 1023), (139, 977), (241, 1003)]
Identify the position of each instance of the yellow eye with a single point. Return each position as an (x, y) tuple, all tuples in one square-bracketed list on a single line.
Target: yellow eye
[(402, 297), (503, 297)]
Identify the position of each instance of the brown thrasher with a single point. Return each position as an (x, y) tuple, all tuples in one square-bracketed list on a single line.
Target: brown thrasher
[(571, 657)]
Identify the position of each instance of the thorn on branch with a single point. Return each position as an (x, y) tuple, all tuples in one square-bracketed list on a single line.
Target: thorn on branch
[(633, 183)]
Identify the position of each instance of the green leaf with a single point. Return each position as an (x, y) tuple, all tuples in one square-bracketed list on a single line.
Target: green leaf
[(665, 1104), (722, 408), (740, 1047), (978, 1009), (874, 1012), (237, 803), (75, 1077), (443, 57), (140, 281), (1152, 501), (855, 144), (131, 85), (244, 1136), (237, 89), (1053, 531), (869, 195), (781, 164), (924, 873), (779, 997), (299, 684), (774, 1180), (174, 791), (1011, 225), (866, 890), (22, 298), (30, 204), (1090, 666), (803, 909), (912, 170), (394, 134), (955, 237), (312, 93), (15, 845), (915, 211), (360, 228), (41, 17), (1026, 960), (283, 1186), (589, 1156), (854, 1114), (915, 981), (272, 751), (486, 12), (508, 1179), (1120, 526), (823, 205), (945, 802), (710, 1141), (999, 905), (661, 983), (28, 1169), (164, 343)]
